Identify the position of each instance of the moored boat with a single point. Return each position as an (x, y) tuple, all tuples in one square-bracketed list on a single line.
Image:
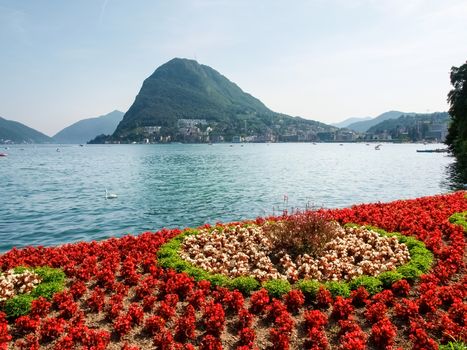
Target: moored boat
[(437, 150)]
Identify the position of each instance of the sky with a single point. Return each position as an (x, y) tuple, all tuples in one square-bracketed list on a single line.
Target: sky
[(327, 60)]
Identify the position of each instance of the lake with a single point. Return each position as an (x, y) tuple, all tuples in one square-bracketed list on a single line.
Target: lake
[(50, 197)]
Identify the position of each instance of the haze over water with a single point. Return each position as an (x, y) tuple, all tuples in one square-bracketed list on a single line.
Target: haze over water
[(51, 197)]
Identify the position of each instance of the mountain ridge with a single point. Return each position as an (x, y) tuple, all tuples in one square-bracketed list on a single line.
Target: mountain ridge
[(86, 129), (16, 132), (351, 120), (363, 126)]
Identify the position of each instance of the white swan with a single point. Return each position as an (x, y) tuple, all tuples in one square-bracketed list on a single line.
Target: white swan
[(109, 195)]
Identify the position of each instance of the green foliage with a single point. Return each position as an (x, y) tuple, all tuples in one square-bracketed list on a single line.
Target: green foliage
[(308, 287), (338, 288), (21, 269), (457, 97), (218, 280), (245, 284), (409, 272), (49, 274), (373, 285), (453, 346), (18, 305), (277, 288), (421, 258), (459, 219), (47, 289), (388, 278)]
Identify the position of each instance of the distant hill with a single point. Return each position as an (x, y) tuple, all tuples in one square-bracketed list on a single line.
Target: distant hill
[(415, 127), (186, 101), (345, 123), (363, 126), (87, 129), (15, 132)]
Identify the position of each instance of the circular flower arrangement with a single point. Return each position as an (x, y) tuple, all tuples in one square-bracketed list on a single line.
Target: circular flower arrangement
[(250, 251)]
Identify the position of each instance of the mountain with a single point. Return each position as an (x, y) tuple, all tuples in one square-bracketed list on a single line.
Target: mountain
[(189, 102), (87, 129), (415, 127), (363, 126), (15, 132), (345, 123)]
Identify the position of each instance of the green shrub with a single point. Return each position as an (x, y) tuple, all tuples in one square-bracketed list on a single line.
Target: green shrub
[(412, 243), (388, 278), (21, 269), (47, 290), (338, 288), (372, 284), (196, 273), (245, 284), (308, 287), (277, 288), (19, 305), (459, 219), (421, 258), (409, 271), (49, 274), (218, 279)]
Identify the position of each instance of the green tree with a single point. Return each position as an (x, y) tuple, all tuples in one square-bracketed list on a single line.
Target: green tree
[(457, 98)]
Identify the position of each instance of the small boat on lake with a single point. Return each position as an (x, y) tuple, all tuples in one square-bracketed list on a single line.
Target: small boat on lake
[(3, 154), (437, 150)]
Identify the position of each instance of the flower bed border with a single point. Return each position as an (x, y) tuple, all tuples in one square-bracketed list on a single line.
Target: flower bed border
[(53, 281), (421, 260)]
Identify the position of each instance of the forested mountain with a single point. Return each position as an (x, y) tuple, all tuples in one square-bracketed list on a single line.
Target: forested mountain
[(15, 132), (186, 101), (414, 127)]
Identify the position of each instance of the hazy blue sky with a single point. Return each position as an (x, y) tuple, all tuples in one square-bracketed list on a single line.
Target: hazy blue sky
[(61, 61)]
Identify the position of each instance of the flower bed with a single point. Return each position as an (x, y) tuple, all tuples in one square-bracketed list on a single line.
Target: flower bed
[(246, 251), (20, 286), (119, 297), (204, 255)]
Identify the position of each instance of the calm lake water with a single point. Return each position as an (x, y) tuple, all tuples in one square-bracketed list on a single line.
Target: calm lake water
[(49, 197)]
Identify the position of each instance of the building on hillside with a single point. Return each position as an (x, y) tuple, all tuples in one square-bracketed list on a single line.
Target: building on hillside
[(437, 132), (191, 123)]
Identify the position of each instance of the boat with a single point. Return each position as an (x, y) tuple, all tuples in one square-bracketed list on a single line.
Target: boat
[(109, 195), (3, 154), (437, 150)]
